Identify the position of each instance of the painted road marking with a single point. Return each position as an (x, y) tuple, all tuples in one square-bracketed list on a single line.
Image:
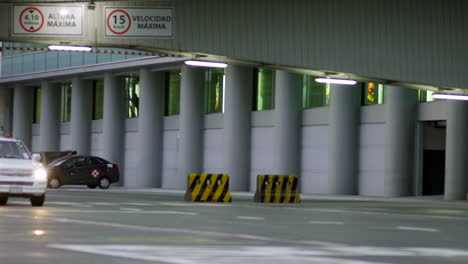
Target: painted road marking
[(326, 222), (250, 218), (131, 209), (104, 203), (422, 229), (180, 231), (258, 254), (138, 204), (191, 204)]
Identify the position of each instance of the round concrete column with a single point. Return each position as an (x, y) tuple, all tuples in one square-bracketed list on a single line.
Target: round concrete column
[(81, 110), (23, 114), (191, 125), (344, 137), (150, 126), (456, 155), (400, 127), (238, 107), (50, 117), (287, 122), (113, 125)]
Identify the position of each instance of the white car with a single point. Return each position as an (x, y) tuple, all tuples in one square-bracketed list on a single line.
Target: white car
[(21, 175)]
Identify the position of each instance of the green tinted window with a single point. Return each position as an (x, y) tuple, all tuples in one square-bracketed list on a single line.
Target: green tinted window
[(132, 91), (65, 102), (214, 90), (172, 104), (264, 91), (98, 100), (425, 96), (315, 94), (373, 93)]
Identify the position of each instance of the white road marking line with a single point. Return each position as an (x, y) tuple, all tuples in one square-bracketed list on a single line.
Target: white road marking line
[(326, 222), (189, 204), (422, 229), (250, 218), (137, 204), (257, 254), (131, 209), (69, 204), (180, 231), (104, 203)]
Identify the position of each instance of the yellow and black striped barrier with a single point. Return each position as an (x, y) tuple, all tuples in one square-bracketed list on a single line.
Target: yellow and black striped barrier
[(208, 188), (277, 189)]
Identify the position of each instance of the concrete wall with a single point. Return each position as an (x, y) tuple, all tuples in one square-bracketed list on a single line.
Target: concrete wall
[(314, 138)]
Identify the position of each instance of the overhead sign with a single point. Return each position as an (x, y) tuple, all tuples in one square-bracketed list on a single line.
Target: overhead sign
[(148, 22), (47, 20)]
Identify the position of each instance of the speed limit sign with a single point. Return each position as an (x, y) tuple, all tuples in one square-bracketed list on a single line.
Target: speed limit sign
[(119, 22), (139, 22)]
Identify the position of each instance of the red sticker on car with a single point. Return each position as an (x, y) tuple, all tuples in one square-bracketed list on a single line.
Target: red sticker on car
[(95, 173)]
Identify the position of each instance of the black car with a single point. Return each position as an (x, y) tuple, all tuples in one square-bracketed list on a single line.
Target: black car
[(82, 170)]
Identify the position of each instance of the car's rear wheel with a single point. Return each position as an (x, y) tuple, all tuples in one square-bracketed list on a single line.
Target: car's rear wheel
[(3, 200), (54, 183), (92, 186), (37, 200), (104, 183)]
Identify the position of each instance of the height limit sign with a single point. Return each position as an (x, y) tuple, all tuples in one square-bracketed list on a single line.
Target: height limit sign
[(47, 20), (149, 22)]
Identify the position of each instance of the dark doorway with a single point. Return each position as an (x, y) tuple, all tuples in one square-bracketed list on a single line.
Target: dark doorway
[(434, 172), (434, 158)]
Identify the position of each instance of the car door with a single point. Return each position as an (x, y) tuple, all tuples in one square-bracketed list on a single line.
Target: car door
[(63, 171), (97, 168), (78, 171)]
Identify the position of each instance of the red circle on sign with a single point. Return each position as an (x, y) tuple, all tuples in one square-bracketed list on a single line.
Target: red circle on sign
[(129, 22), (21, 22)]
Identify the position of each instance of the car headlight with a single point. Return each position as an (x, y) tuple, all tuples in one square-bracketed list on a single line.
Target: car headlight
[(40, 174)]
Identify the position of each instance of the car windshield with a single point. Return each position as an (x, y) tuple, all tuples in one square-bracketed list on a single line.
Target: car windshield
[(13, 150)]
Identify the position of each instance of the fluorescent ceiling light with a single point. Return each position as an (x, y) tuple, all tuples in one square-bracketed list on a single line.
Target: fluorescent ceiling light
[(450, 96), (206, 64), (70, 48), (336, 81)]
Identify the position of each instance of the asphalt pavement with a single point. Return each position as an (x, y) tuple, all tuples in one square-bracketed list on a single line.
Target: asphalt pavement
[(79, 225)]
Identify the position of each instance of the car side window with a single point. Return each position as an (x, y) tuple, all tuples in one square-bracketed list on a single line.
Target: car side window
[(76, 162), (69, 163), (96, 162), (81, 162)]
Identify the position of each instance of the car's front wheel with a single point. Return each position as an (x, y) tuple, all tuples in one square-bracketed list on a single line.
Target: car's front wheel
[(104, 183), (54, 183), (3, 200), (37, 200)]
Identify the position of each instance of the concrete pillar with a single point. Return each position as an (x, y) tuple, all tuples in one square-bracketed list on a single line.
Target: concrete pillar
[(345, 106), (50, 117), (238, 107), (191, 125), (400, 127), (288, 108), (113, 125), (150, 127), (7, 112), (456, 155), (23, 114), (81, 111)]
